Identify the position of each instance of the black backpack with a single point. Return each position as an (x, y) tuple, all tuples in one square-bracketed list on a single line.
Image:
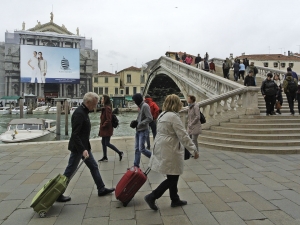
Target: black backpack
[(206, 67), (114, 121), (292, 86), (202, 118)]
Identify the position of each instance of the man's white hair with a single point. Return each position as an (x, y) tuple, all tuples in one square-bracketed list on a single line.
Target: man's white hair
[(90, 96)]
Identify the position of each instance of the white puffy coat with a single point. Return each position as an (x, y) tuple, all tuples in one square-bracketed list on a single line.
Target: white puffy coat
[(170, 141)]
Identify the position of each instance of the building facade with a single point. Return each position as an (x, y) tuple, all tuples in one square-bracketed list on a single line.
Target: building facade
[(274, 61), (51, 35), (106, 83), (133, 81)]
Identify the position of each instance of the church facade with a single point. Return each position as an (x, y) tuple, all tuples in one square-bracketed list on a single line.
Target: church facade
[(51, 35)]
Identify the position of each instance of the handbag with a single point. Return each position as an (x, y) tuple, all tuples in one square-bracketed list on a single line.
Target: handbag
[(277, 105), (133, 124), (202, 118)]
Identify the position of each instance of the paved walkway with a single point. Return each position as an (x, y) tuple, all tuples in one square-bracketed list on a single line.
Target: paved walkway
[(220, 187)]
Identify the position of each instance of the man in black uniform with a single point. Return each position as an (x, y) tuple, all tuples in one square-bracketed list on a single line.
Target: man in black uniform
[(80, 146)]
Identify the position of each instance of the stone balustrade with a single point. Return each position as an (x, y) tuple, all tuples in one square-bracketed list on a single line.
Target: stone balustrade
[(207, 84), (221, 108)]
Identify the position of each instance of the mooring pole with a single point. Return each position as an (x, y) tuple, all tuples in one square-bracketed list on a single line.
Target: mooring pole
[(58, 115), (66, 117)]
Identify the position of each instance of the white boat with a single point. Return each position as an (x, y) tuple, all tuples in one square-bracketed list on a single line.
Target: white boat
[(16, 110), (40, 110), (29, 130), (72, 110), (52, 110), (5, 110)]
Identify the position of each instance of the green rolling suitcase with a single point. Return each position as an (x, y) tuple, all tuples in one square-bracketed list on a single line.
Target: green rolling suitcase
[(46, 197)]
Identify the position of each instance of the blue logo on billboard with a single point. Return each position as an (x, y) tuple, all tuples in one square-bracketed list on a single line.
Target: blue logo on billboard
[(65, 64)]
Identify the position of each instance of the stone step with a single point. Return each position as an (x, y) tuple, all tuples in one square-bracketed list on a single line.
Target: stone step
[(263, 110), (280, 117), (262, 125), (252, 142), (251, 149), (277, 136), (255, 130), (264, 121)]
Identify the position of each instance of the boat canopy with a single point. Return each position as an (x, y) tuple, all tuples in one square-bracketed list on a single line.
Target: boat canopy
[(26, 121)]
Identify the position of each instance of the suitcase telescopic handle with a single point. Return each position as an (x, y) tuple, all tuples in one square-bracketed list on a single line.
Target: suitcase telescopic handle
[(73, 174)]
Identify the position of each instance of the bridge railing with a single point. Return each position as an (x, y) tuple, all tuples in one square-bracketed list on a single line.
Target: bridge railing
[(221, 108), (207, 83)]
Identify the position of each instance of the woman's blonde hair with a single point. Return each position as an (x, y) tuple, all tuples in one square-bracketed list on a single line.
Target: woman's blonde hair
[(172, 103)]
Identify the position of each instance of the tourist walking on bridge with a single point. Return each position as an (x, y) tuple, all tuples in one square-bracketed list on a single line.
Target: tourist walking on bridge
[(236, 69), (279, 99), (80, 146), (194, 124), (254, 69), (106, 129), (198, 60), (226, 68), (142, 128), (290, 86), (249, 79), (269, 90), (154, 112), (241, 70), (212, 67), (298, 97), (168, 152)]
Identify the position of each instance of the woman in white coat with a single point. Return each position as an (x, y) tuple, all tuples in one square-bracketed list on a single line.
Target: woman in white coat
[(194, 124), (168, 151)]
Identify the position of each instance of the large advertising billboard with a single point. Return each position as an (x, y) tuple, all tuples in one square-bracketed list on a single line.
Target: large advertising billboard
[(40, 64)]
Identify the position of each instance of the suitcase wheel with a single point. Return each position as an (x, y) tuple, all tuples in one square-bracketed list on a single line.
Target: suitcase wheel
[(126, 203), (42, 214)]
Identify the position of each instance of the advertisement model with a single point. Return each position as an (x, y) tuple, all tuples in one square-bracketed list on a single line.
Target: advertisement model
[(40, 64)]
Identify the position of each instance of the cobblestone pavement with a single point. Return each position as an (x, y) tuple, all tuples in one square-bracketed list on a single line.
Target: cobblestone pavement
[(220, 187)]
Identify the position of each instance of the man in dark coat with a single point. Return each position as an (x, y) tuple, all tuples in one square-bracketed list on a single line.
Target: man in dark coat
[(269, 91), (80, 146), (249, 79)]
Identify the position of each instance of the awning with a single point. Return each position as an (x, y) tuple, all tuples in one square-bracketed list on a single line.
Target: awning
[(11, 97), (128, 98)]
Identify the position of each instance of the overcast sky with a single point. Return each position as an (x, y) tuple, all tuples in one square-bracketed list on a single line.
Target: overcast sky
[(131, 32)]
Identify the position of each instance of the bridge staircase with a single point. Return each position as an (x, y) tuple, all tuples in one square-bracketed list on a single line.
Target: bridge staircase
[(235, 114), (256, 133)]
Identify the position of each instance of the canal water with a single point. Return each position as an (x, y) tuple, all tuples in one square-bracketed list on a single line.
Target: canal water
[(123, 130)]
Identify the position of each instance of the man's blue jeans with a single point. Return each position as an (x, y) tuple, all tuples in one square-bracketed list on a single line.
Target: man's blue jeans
[(140, 139), (90, 163), (152, 125)]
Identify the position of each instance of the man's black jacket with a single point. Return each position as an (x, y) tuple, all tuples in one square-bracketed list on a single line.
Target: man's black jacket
[(81, 128)]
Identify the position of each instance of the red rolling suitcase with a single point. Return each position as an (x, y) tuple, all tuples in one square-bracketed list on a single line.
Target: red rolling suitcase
[(130, 183)]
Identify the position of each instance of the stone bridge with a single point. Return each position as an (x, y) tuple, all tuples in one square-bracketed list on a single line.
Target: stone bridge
[(235, 114)]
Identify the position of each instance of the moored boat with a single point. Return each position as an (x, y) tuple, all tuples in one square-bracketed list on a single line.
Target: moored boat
[(40, 110), (5, 110), (29, 130), (16, 110)]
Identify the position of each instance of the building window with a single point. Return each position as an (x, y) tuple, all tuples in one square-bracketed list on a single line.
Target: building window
[(127, 90), (106, 90), (100, 91), (96, 89), (106, 80), (291, 65), (128, 78), (134, 90), (116, 91), (266, 64), (142, 89), (122, 92), (116, 80), (275, 64), (282, 65), (142, 78), (95, 79)]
